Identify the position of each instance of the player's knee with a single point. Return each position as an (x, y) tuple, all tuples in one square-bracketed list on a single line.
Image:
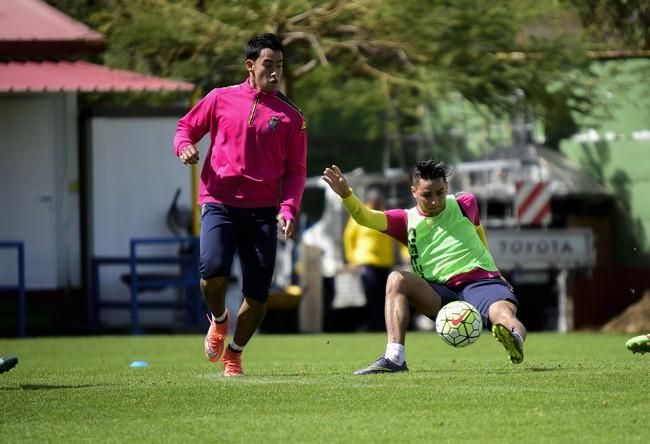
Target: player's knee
[(503, 312), (256, 293), (214, 284), (396, 283), (256, 286), (211, 268), (252, 312), (257, 308), (215, 281)]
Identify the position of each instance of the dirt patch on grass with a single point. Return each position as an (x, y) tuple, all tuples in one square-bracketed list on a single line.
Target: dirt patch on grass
[(635, 318)]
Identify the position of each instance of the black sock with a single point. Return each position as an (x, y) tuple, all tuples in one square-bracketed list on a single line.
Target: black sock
[(225, 312), (233, 350)]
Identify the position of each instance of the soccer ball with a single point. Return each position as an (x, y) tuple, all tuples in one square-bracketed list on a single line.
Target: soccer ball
[(459, 324)]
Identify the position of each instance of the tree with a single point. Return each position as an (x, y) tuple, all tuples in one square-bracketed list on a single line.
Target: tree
[(397, 60)]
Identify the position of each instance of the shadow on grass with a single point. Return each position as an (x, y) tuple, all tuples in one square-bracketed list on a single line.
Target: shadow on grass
[(47, 387), (545, 369), (506, 370)]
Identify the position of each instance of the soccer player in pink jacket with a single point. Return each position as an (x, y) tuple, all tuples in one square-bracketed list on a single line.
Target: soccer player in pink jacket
[(252, 179)]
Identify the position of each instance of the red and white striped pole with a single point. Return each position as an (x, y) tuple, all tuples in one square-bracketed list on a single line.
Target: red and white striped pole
[(533, 203)]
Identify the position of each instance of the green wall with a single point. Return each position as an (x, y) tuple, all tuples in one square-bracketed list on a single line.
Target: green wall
[(614, 146)]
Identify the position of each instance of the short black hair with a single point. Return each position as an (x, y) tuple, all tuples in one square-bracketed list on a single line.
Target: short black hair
[(431, 169), (258, 43)]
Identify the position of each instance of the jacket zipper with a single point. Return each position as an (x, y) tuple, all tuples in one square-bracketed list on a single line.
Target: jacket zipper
[(252, 116)]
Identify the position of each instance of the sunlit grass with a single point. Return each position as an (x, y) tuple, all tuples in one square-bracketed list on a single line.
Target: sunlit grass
[(299, 388)]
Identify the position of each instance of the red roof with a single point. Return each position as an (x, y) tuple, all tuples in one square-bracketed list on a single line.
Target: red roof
[(36, 20), (32, 28), (78, 76)]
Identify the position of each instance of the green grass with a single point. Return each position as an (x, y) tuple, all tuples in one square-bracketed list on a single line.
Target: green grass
[(571, 388)]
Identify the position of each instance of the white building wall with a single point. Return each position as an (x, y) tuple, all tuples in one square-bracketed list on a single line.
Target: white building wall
[(134, 176), (39, 199)]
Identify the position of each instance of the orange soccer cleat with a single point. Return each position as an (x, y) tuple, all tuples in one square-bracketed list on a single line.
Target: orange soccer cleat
[(232, 363), (215, 338)]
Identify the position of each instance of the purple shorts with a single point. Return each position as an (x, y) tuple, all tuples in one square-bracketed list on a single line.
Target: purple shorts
[(481, 294)]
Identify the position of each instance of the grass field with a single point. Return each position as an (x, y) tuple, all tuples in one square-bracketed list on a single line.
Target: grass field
[(571, 388)]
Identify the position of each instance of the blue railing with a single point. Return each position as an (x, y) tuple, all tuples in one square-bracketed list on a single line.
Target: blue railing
[(187, 278), (20, 286)]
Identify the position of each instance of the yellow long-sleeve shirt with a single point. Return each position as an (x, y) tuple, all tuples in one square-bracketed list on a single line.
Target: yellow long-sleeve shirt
[(367, 246)]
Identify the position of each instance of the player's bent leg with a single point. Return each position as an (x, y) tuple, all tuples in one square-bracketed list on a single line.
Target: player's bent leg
[(639, 344), (402, 290), (508, 330), (257, 247), (251, 314)]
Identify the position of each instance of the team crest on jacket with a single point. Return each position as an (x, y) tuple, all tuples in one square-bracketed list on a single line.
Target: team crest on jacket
[(273, 122)]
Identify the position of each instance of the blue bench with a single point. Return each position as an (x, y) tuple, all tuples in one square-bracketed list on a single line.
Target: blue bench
[(187, 278)]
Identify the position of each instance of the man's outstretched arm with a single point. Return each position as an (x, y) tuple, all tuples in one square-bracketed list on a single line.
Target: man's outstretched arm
[(358, 211)]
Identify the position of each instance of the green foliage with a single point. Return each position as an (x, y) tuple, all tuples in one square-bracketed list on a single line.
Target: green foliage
[(376, 68), (346, 122), (299, 388), (616, 24)]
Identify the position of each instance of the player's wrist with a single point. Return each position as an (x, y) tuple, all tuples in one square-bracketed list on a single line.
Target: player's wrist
[(286, 214)]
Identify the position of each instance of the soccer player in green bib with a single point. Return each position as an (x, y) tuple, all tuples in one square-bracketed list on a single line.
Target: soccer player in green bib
[(449, 257)]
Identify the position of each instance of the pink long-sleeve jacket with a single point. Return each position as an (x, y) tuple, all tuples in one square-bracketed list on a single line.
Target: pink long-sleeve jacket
[(258, 148)]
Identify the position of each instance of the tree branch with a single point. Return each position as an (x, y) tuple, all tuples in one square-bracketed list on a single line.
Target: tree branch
[(318, 49)]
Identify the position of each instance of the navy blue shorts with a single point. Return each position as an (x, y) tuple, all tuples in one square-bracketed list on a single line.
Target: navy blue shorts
[(481, 294), (251, 232)]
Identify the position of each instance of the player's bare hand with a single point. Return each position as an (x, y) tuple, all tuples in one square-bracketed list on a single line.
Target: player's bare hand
[(337, 181), (189, 155), (287, 227)]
